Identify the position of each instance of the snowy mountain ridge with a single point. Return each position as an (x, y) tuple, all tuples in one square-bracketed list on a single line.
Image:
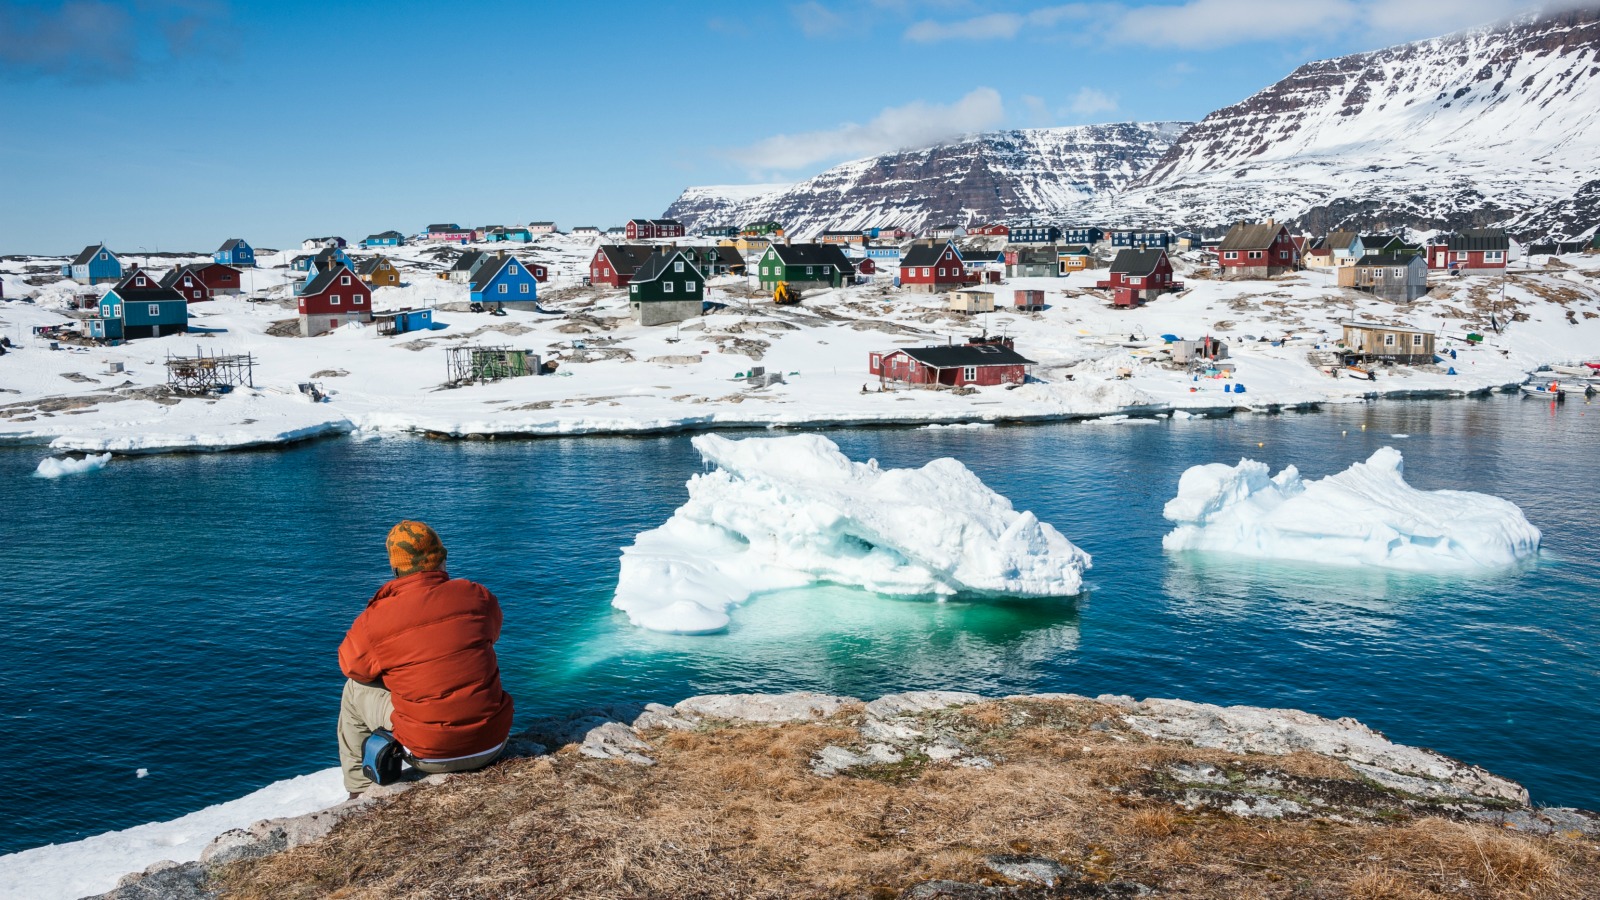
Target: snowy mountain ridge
[(1003, 175), (1492, 126)]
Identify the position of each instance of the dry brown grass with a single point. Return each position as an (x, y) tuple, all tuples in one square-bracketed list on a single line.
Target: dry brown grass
[(735, 812)]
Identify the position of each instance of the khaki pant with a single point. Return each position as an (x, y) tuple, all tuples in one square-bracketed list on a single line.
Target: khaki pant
[(368, 707)]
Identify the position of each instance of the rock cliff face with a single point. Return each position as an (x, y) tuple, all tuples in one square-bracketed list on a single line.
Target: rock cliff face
[(1002, 176), (1495, 126)]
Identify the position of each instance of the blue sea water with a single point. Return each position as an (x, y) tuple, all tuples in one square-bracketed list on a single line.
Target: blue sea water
[(181, 613)]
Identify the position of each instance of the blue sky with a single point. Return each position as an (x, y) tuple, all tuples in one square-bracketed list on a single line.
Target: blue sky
[(175, 124)]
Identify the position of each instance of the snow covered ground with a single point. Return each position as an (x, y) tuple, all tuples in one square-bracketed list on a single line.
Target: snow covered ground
[(93, 865), (789, 512), (617, 377), (1366, 515)]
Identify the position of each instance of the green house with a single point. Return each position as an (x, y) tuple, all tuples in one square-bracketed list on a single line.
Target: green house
[(805, 264), (668, 287)]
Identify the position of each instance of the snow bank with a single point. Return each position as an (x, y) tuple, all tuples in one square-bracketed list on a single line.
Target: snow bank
[(53, 467), (1366, 515), (790, 512), (93, 865)]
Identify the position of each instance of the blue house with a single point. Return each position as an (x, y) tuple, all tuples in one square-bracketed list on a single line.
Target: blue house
[(1141, 238), (384, 239), (1083, 236), (882, 255), (235, 252), (139, 307), (403, 321), (504, 279), (95, 265), (322, 260), (1033, 234), (512, 233)]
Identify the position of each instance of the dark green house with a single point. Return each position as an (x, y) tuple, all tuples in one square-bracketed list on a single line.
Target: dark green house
[(821, 265), (668, 287)]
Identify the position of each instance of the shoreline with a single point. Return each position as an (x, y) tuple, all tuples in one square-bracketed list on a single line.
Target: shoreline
[(347, 428)]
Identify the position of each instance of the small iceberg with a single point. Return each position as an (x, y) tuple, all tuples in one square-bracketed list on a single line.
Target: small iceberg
[(1366, 515), (54, 467), (792, 512)]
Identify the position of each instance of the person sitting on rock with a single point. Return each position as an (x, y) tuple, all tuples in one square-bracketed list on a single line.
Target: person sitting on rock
[(420, 662)]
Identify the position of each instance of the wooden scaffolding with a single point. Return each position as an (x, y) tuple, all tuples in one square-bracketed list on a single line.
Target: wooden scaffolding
[(204, 373)]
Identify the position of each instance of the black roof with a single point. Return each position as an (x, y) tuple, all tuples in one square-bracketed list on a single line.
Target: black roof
[(385, 234), (171, 278), (370, 264), (813, 255), (1480, 239), (923, 254), (659, 263), (465, 261), (129, 290), (1385, 259), (625, 258), (231, 243), (324, 279), (1136, 262), (88, 253), (956, 355), (446, 227)]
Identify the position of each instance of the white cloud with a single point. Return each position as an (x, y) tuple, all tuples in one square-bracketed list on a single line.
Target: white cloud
[(983, 28), (1429, 18), (916, 124), (1091, 101), (1038, 111), (816, 20)]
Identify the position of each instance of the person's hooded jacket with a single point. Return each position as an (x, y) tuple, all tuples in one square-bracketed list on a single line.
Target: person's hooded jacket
[(429, 639)]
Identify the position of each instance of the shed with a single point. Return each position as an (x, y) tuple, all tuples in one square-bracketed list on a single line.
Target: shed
[(1374, 340), (955, 365), (1029, 299), (972, 300), (403, 321)]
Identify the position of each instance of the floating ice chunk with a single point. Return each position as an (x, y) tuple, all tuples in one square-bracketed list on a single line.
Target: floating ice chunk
[(1366, 515), (54, 467), (788, 512)]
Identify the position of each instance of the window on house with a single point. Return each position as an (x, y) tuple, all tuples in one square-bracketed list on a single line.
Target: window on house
[(969, 373), (666, 287), (1493, 255), (1283, 254), (503, 289), (358, 300), (139, 281), (155, 309), (1461, 255), (926, 271), (104, 256), (1388, 340), (677, 266), (1398, 273), (1416, 340), (196, 295), (1230, 254), (344, 279), (941, 271), (1256, 254), (333, 299), (524, 288), (512, 268)]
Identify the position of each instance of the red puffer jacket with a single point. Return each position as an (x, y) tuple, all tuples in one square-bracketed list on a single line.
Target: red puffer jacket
[(430, 640)]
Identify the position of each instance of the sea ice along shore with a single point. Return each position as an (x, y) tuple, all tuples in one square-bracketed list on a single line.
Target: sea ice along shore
[(1366, 515), (788, 512)]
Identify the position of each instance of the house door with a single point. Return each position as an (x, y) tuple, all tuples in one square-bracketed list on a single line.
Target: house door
[(1439, 259)]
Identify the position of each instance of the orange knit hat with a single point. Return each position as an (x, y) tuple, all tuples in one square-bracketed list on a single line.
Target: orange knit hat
[(414, 547)]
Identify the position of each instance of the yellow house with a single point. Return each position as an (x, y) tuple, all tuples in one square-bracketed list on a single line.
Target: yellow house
[(747, 245), (1074, 259), (972, 300), (379, 272)]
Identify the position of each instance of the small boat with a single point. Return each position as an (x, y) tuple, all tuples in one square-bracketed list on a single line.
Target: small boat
[(1359, 373), (1541, 391)]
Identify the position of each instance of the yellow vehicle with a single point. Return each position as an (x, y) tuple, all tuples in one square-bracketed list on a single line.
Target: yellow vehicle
[(784, 295)]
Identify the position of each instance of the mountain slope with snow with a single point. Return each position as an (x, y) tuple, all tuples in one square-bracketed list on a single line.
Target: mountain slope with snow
[(1482, 127), (1005, 175)]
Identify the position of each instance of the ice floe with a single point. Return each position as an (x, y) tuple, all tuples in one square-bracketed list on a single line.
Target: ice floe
[(1366, 515), (56, 467), (789, 512)]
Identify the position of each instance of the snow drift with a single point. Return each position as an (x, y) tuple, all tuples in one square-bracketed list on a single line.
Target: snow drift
[(54, 467), (789, 512), (1366, 515)]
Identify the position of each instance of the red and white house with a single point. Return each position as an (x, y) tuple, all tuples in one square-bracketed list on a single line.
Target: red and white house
[(1475, 249), (651, 229), (614, 264), (934, 267), (959, 365), (992, 230), (1263, 250), (1137, 276), (332, 298)]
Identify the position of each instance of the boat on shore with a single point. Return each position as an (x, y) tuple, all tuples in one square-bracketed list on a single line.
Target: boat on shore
[(1542, 391)]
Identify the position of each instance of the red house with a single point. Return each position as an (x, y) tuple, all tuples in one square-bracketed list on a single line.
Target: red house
[(1474, 248), (187, 283), (648, 229), (983, 363), (993, 230), (934, 267), (614, 264), (1257, 251), (331, 298), (1137, 276)]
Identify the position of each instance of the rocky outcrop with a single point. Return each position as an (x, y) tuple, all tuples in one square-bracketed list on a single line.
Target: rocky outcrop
[(898, 735)]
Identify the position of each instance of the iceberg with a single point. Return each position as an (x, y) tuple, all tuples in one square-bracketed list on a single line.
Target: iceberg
[(53, 467), (792, 512), (1366, 515)]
